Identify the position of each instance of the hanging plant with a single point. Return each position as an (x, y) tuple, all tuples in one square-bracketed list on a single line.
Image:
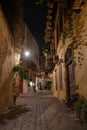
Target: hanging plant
[(21, 70), (16, 68)]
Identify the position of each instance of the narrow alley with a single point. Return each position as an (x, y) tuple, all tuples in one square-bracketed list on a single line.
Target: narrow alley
[(39, 111), (43, 62)]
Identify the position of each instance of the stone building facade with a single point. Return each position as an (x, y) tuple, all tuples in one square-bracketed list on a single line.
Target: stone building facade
[(31, 62), (7, 51), (32, 47), (68, 47), (6, 63), (80, 51)]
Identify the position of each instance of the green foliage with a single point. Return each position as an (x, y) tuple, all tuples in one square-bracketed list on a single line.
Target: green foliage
[(22, 71), (85, 111), (80, 107), (16, 68), (79, 104)]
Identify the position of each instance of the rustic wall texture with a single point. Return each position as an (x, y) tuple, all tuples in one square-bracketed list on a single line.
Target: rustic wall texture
[(6, 64), (11, 38), (80, 53), (79, 24)]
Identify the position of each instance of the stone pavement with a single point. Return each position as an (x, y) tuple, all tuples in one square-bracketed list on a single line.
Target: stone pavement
[(39, 111)]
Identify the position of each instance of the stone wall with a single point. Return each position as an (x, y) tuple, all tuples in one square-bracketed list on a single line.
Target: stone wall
[(6, 64), (79, 56), (80, 53), (11, 38)]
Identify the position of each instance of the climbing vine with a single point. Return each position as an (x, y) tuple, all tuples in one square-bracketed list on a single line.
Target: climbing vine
[(68, 28), (68, 32)]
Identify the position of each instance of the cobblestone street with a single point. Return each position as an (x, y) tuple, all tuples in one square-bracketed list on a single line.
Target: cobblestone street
[(39, 111)]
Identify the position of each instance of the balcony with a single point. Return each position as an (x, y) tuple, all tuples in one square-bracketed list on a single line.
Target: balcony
[(78, 4)]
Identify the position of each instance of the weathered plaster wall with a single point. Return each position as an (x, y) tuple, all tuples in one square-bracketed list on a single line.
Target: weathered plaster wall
[(6, 64), (55, 82), (80, 53), (61, 50)]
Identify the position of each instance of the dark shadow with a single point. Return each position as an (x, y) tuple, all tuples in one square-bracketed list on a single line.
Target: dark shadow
[(13, 113)]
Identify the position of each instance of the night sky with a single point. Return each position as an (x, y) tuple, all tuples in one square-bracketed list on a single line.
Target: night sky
[(35, 18)]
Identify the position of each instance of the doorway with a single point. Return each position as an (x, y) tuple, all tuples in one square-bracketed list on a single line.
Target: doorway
[(69, 75)]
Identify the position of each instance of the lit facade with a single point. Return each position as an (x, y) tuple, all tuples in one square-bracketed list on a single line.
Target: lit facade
[(67, 48), (31, 61), (9, 29)]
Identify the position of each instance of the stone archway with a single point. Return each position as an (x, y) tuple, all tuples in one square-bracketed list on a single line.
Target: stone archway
[(69, 74)]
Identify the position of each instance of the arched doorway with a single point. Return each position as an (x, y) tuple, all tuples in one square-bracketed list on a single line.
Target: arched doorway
[(69, 75)]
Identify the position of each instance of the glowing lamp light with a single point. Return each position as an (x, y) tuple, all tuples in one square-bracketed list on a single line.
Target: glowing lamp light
[(31, 84), (27, 53)]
